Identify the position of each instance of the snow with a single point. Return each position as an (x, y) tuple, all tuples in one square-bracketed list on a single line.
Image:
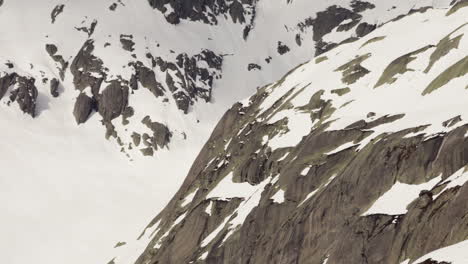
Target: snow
[(176, 222), (313, 193), (299, 125), (126, 252), (204, 255), (454, 254), (208, 208), (189, 198), (310, 195), (459, 178), (71, 194), (342, 147), (250, 194), (284, 156), (94, 196), (305, 171), (395, 200), (325, 261), (278, 197), (226, 145), (215, 232), (245, 208), (330, 180), (179, 219), (395, 99), (227, 189)]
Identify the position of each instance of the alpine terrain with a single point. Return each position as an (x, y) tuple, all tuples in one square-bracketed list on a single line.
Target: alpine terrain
[(242, 131)]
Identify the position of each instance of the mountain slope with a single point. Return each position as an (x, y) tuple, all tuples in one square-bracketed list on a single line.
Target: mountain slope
[(357, 156), (105, 104)]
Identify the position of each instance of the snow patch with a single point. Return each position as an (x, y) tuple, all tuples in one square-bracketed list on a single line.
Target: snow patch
[(278, 197), (227, 189), (342, 147), (299, 125), (395, 200), (189, 198), (454, 254)]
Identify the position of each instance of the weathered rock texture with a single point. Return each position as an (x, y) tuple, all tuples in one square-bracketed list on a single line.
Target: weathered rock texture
[(332, 18), (228, 210), (23, 91), (329, 225), (204, 11), (83, 108)]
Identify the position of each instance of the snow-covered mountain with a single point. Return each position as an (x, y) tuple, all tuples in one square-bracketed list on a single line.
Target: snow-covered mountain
[(105, 105), (356, 156)]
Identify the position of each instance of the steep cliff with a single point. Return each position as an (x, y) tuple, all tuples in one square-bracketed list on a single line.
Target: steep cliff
[(358, 156), (104, 106)]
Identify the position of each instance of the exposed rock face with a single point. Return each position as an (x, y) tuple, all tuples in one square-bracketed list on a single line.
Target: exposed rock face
[(282, 48), (302, 230), (253, 66), (5, 83), (22, 90), (25, 95), (260, 193), (186, 78), (83, 108), (209, 12), (161, 134), (127, 42), (364, 29), (57, 11), (353, 70), (62, 64), (186, 72), (87, 69), (54, 87), (147, 78), (332, 18), (113, 101), (89, 30), (204, 11)]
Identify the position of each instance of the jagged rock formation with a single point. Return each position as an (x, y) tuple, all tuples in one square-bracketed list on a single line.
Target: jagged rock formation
[(103, 49), (120, 95), (113, 101), (24, 92), (161, 134), (54, 87), (204, 11), (335, 163), (84, 105)]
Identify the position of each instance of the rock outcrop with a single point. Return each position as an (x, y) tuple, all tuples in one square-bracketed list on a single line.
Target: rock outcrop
[(25, 94), (161, 134), (306, 171), (84, 105), (54, 87), (23, 91), (113, 101)]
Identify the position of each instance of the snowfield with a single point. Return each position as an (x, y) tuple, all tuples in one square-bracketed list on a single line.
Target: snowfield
[(69, 195), (406, 78)]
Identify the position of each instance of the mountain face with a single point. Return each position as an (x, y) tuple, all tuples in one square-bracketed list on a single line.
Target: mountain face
[(356, 155), (359, 155), (104, 57)]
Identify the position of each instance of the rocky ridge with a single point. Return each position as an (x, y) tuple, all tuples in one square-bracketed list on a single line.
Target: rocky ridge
[(357, 156), (96, 56)]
